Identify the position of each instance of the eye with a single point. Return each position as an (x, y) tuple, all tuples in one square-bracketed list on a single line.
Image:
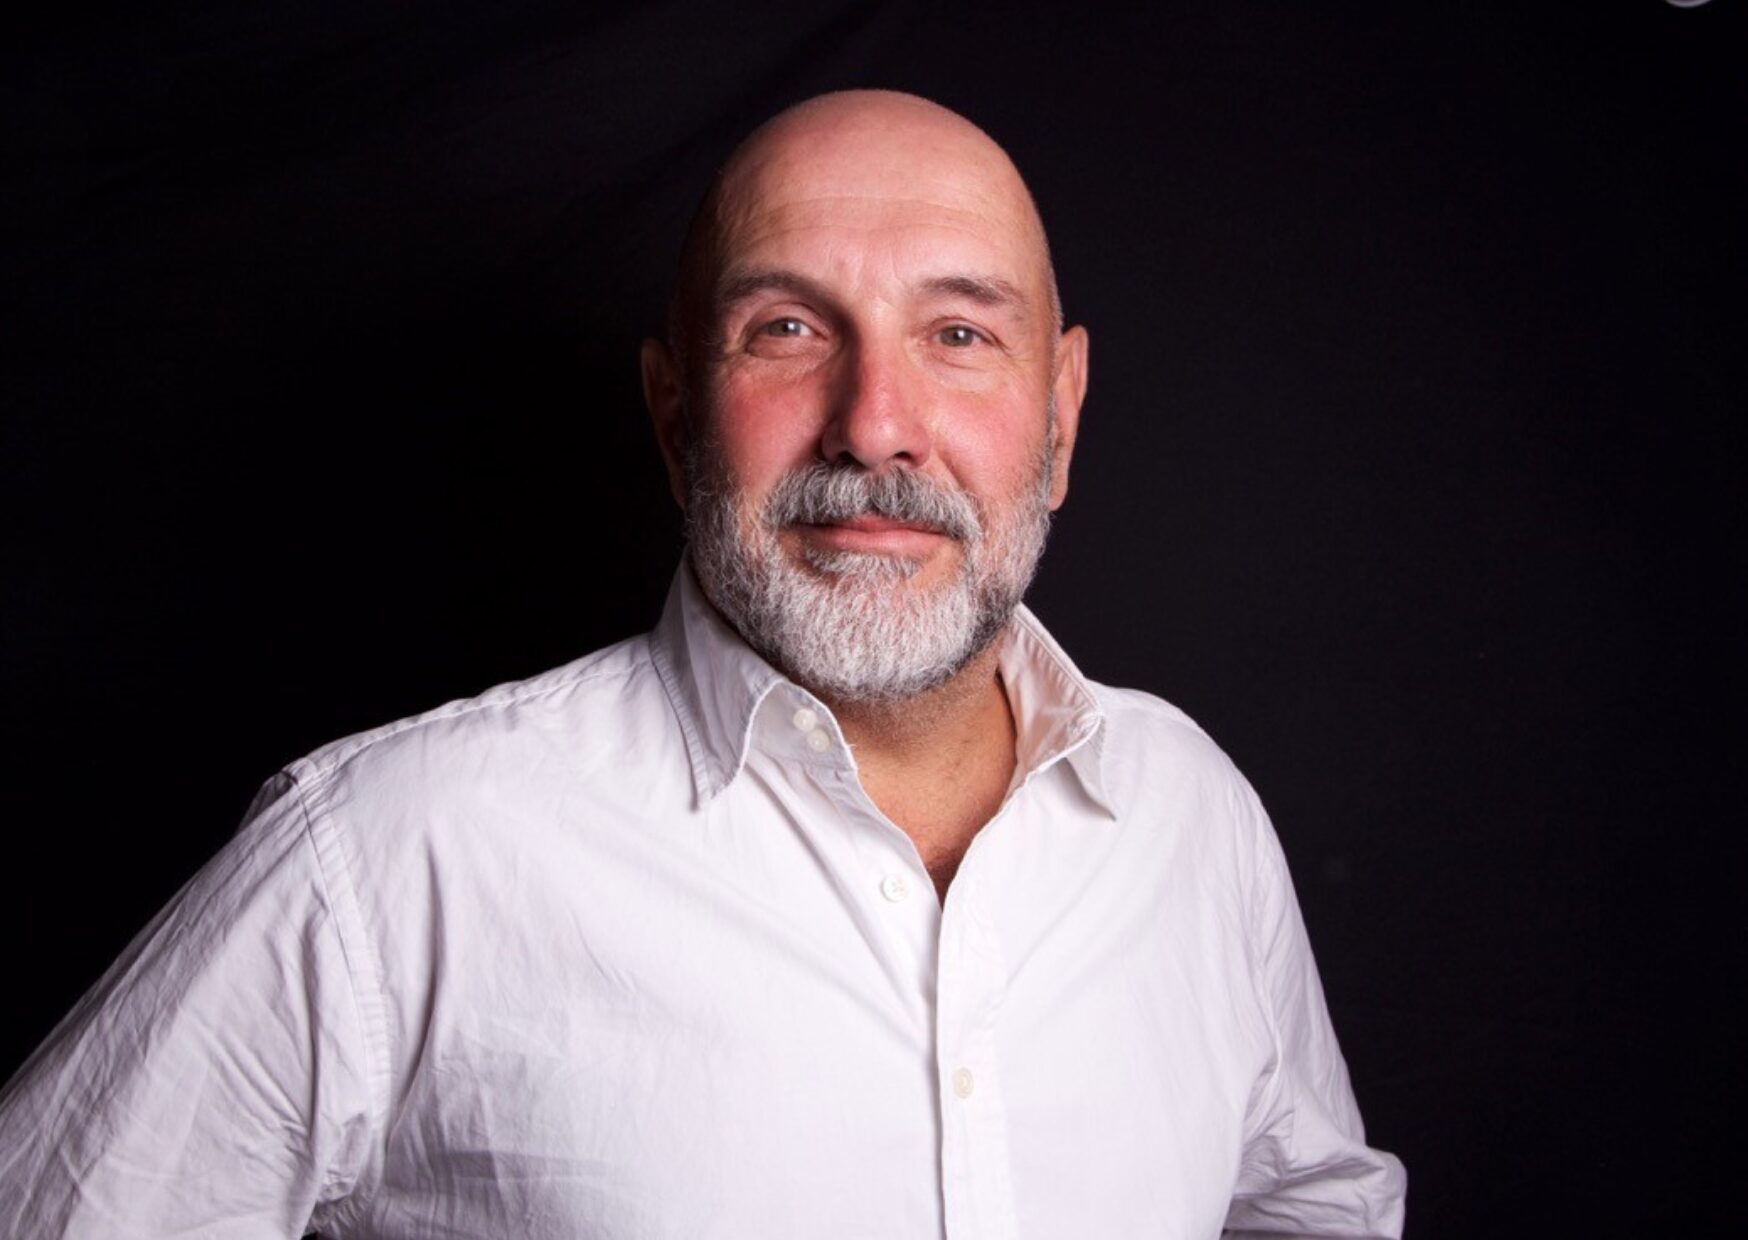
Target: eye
[(959, 336), (787, 329)]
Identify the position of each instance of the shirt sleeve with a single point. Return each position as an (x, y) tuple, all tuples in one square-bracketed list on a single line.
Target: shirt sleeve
[(214, 1082), (1306, 1170)]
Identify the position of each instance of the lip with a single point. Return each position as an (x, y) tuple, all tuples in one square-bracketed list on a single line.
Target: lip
[(880, 535)]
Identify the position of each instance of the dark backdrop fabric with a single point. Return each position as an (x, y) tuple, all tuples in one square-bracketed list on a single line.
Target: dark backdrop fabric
[(1407, 468)]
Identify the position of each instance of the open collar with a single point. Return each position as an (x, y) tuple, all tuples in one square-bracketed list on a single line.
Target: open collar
[(717, 683)]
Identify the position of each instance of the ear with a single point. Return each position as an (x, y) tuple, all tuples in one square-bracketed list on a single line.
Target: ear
[(1069, 387), (664, 395)]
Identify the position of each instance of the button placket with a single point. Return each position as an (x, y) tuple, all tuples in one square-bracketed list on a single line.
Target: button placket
[(886, 882), (975, 1160), (910, 922), (963, 1082)]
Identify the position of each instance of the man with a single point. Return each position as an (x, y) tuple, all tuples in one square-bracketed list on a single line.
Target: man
[(840, 905)]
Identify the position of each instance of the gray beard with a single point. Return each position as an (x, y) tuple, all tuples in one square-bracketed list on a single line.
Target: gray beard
[(845, 624)]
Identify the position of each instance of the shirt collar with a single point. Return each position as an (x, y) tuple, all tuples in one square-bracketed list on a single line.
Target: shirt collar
[(717, 683)]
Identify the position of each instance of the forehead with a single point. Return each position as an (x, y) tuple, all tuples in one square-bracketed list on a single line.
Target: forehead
[(849, 202)]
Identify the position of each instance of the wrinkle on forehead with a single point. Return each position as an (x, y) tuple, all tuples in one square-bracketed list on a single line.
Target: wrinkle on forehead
[(869, 217)]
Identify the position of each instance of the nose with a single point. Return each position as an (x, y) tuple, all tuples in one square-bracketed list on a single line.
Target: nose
[(878, 412)]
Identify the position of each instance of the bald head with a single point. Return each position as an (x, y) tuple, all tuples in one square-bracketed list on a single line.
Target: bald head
[(866, 157)]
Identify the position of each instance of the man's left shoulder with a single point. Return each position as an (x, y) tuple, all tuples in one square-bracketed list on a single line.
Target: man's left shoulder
[(1145, 726), (1157, 761)]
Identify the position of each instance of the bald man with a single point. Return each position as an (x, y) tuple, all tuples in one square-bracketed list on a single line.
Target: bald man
[(840, 905)]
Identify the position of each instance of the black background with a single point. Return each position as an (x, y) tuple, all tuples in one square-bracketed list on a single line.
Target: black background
[(1407, 468)]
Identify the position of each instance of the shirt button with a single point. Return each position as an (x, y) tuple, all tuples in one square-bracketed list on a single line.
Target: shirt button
[(962, 1082), (893, 887), (804, 720), (819, 740)]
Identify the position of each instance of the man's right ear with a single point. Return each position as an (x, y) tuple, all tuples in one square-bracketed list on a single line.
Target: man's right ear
[(664, 394)]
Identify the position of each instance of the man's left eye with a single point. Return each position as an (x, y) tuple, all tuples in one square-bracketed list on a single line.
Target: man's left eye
[(958, 336)]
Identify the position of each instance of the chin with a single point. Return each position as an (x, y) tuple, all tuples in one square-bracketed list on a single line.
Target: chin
[(861, 565)]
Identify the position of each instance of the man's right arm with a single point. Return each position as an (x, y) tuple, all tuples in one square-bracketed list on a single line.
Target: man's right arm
[(217, 1079)]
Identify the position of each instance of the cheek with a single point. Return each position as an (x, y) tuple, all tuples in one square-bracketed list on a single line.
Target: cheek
[(995, 454), (762, 433)]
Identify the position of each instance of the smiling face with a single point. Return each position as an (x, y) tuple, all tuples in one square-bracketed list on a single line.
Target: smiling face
[(875, 356)]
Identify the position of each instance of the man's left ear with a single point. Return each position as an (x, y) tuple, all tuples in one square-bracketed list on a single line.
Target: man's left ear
[(1069, 388)]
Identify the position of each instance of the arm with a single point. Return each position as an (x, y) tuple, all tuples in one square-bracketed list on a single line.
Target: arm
[(215, 1080), (1307, 1170)]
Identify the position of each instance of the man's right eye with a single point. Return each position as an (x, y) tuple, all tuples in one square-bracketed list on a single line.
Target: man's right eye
[(788, 329)]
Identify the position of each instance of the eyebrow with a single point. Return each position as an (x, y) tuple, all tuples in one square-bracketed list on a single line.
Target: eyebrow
[(991, 291), (737, 286)]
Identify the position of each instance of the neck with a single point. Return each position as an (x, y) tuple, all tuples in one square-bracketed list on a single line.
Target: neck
[(937, 765), (942, 727)]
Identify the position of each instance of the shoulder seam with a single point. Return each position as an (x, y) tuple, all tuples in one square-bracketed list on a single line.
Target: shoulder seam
[(1153, 705), (319, 766)]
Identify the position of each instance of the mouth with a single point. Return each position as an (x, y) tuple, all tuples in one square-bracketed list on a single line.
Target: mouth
[(874, 534)]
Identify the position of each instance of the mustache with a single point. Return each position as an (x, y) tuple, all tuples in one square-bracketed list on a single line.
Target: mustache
[(824, 494)]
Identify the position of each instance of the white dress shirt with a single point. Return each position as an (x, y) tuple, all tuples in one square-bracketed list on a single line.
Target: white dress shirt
[(624, 952)]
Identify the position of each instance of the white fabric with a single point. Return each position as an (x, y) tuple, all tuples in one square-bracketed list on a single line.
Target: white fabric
[(624, 951)]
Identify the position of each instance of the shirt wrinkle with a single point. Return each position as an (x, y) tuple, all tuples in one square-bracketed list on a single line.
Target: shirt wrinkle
[(363, 970)]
